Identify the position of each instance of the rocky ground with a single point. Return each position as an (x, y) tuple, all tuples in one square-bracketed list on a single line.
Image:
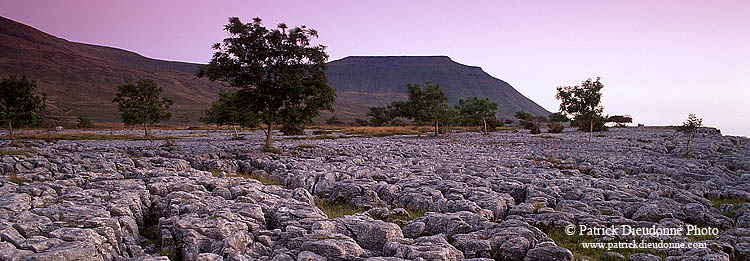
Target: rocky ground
[(463, 197)]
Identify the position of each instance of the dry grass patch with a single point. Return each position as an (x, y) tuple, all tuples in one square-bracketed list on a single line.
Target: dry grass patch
[(26, 153), (18, 180), (306, 146)]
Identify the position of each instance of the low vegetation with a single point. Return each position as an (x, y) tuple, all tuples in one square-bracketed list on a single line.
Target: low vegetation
[(86, 136), (306, 146), (735, 202), (16, 179), (26, 153), (335, 209)]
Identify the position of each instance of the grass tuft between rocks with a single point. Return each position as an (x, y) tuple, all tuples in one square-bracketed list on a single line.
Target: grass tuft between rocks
[(26, 153), (272, 150), (735, 202), (18, 180), (338, 208)]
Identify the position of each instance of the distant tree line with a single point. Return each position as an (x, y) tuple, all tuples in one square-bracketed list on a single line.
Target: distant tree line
[(428, 105)]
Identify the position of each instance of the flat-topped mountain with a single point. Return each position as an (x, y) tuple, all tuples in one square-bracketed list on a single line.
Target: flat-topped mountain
[(384, 75)]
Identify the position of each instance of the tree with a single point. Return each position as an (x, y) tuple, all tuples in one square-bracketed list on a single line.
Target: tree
[(583, 102), (227, 111), (475, 111), (689, 128), (380, 116), (282, 73), (522, 116), (558, 117), (142, 103), (18, 103), (425, 105), (447, 116)]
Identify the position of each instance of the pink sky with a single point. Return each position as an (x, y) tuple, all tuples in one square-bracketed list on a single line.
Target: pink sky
[(659, 60)]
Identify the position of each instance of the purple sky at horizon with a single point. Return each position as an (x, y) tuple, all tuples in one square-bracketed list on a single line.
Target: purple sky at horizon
[(659, 60)]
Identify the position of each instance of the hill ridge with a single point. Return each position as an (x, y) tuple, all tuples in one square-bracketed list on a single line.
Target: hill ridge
[(81, 78)]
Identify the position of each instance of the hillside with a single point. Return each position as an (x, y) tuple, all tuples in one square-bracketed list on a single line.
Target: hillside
[(379, 76), (81, 79)]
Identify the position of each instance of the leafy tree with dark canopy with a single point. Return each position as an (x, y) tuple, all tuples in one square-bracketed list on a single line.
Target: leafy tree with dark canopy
[(584, 103), (475, 111), (282, 73), (226, 111), (425, 105), (142, 103), (18, 104)]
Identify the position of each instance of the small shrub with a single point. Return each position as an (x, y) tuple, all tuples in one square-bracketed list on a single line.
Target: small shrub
[(533, 127), (583, 123), (293, 129), (85, 122), (333, 120), (493, 124), (556, 127), (361, 122), (558, 117)]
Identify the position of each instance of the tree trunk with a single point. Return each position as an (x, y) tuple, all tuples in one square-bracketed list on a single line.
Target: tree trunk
[(268, 135), (437, 132), (145, 130), (591, 129), (236, 135), (10, 129), (484, 120)]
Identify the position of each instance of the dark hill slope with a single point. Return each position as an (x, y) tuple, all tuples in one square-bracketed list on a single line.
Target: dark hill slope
[(81, 79)]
